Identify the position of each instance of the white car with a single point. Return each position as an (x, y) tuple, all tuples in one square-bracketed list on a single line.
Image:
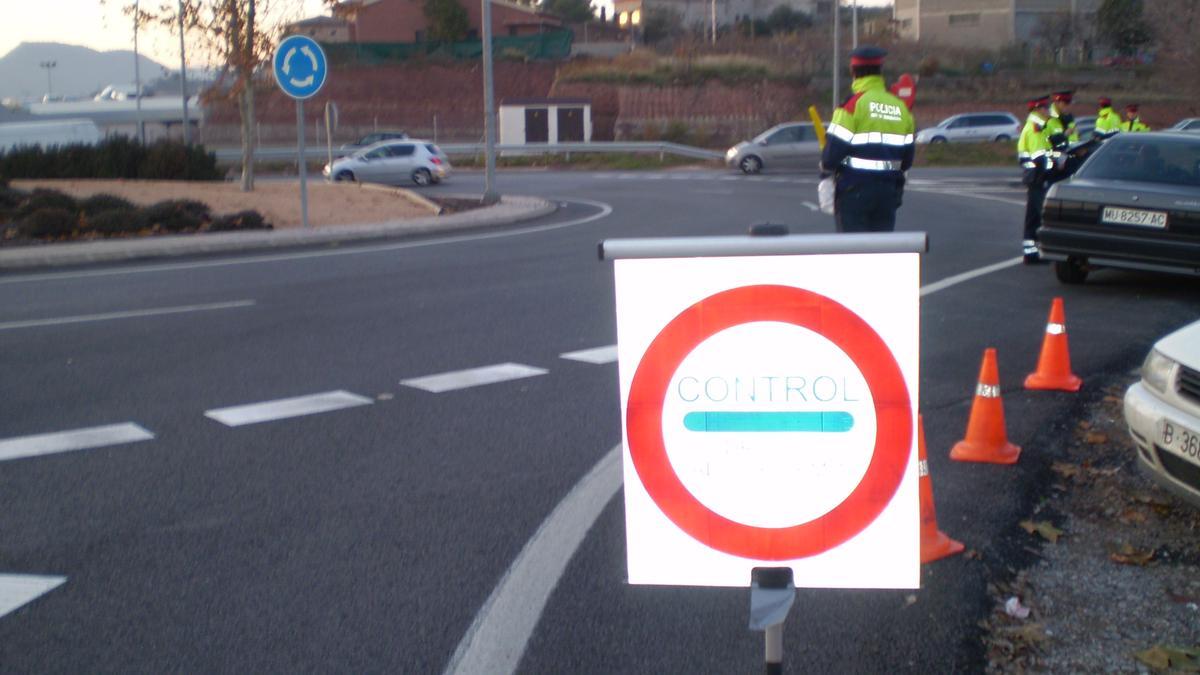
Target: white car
[(973, 128), (392, 162), (793, 144), (1190, 125), (1163, 413)]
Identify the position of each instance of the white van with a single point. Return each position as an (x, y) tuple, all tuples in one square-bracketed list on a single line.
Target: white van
[(50, 133)]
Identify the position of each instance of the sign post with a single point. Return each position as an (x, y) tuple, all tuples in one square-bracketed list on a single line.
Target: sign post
[(300, 70), (768, 398)]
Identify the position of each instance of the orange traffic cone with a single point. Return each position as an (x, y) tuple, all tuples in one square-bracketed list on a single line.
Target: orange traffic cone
[(987, 440), (935, 545), (1054, 365)]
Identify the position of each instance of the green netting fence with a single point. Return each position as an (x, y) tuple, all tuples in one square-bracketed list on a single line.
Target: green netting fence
[(544, 46)]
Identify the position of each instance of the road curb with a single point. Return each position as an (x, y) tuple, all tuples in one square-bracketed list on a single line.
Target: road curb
[(512, 209)]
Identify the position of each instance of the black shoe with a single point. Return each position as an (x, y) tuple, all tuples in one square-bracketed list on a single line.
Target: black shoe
[(1034, 259)]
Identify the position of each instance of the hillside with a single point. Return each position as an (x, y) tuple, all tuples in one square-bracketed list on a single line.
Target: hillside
[(80, 71)]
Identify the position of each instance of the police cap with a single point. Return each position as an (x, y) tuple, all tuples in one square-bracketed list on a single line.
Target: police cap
[(867, 56), (1105, 102), (1063, 96), (1132, 107), (1040, 102)]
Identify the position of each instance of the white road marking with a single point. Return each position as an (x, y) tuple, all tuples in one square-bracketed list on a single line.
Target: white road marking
[(810, 206), (496, 639), (67, 441), (17, 590), (605, 211), (597, 355), (473, 377), (957, 279), (128, 314), (284, 408)]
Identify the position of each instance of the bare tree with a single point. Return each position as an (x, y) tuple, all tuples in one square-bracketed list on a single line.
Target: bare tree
[(1174, 24), (232, 34)]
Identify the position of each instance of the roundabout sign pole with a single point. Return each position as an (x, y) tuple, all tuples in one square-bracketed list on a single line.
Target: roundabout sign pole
[(300, 70)]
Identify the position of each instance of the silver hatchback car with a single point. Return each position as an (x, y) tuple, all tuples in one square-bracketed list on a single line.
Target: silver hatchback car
[(392, 162), (789, 145), (973, 128)]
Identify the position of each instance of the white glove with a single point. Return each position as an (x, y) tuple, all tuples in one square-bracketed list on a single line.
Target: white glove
[(825, 195)]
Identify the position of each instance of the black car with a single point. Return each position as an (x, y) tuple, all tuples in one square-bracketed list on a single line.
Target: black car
[(1135, 203)]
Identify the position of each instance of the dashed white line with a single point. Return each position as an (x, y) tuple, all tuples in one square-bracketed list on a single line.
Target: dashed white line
[(284, 408), (596, 355), (472, 377), (17, 590), (76, 439), (129, 314)]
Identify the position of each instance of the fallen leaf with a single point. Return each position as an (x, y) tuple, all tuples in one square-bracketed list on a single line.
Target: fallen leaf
[(1128, 555), (973, 554), (1066, 470), (1084, 424), (1048, 531), (1030, 632), (1155, 657), (1095, 438), (1132, 516)]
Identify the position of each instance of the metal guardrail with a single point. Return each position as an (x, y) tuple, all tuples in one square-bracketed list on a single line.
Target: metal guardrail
[(633, 147)]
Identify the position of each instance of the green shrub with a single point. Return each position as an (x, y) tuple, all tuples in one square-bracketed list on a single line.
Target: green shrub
[(242, 220), (11, 198), (115, 157), (49, 223), (43, 198), (677, 132), (105, 202), (175, 215), (115, 221)]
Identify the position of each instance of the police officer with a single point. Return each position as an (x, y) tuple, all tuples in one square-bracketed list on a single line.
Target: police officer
[(1034, 152), (1108, 122), (1060, 128), (1132, 121), (869, 146)]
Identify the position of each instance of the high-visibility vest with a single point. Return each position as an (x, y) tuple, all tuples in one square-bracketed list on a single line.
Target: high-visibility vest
[(1108, 122), (1134, 125), (871, 135), (1033, 147), (1055, 125)]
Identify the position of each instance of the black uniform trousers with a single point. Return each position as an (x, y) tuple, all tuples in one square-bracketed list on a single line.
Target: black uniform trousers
[(1035, 197), (868, 205)]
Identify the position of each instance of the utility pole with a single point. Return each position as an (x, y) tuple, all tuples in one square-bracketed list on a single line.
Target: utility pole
[(489, 110), (854, 20), (837, 48), (187, 125), (137, 76), (714, 22), (48, 65)]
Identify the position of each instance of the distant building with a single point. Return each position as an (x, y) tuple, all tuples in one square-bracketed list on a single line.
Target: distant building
[(367, 21), (696, 15), (988, 24), (325, 29)]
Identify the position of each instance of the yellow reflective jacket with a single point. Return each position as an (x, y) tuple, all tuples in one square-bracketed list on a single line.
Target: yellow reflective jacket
[(1033, 147), (1108, 122)]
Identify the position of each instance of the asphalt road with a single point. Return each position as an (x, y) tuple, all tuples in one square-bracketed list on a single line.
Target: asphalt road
[(370, 538)]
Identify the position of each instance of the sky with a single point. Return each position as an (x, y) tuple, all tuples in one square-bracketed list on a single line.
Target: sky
[(103, 27)]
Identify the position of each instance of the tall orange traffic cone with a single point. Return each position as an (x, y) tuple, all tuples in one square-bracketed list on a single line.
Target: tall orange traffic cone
[(987, 440), (1054, 365), (935, 545)]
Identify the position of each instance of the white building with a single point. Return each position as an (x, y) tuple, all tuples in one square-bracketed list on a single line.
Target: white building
[(987, 24)]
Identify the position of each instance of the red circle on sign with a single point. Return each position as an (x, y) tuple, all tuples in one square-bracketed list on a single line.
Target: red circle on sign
[(799, 307)]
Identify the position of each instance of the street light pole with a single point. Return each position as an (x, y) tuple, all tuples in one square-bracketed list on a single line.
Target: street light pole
[(489, 110), (854, 20), (837, 48), (49, 65), (187, 125), (137, 75)]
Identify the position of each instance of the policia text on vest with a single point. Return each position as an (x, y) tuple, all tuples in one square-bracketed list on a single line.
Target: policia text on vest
[(870, 146)]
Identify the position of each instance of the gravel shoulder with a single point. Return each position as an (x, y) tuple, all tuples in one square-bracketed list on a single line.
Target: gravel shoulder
[(1114, 586), (329, 204)]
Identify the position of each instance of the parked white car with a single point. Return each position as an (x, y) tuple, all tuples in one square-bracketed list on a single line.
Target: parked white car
[(392, 162), (1190, 125), (1163, 413), (973, 128)]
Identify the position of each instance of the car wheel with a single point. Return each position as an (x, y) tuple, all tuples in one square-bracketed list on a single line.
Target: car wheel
[(1072, 270), (750, 164), (938, 139), (422, 177), (344, 177), (1003, 138)]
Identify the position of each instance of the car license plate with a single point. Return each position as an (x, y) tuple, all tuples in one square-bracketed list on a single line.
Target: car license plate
[(1138, 217), (1180, 440)]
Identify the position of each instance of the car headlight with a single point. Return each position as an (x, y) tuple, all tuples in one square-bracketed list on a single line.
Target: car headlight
[(731, 153), (1156, 370)]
